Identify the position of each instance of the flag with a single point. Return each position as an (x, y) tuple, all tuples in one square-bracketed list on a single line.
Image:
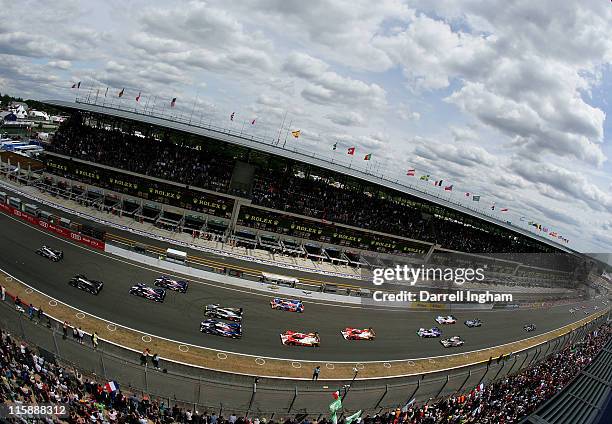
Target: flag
[(111, 386), (232, 116), (493, 207), (138, 97), (368, 156), (476, 198), (351, 151), (449, 188), (78, 85), (253, 122), (480, 387), (411, 172), (424, 177), (405, 408), (504, 209), (296, 133), (467, 194), (106, 92), (173, 102), (352, 418), (121, 92), (334, 146), (74, 85), (438, 183)]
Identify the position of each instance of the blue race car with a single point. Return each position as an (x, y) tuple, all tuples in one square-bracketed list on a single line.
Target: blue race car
[(142, 290), (291, 305), (226, 329), (171, 284)]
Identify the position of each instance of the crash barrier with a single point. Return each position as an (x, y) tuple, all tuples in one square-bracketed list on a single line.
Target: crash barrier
[(51, 227), (225, 393)]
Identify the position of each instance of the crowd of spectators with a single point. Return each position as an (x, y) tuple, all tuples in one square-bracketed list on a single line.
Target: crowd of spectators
[(209, 166), (27, 378), (155, 157)]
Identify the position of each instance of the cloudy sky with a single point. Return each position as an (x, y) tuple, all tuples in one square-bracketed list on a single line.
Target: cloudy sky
[(506, 99)]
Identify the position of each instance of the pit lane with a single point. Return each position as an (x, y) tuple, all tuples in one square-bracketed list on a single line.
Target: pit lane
[(179, 316)]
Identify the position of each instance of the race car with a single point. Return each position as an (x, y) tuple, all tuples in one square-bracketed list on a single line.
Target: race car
[(471, 323), (230, 314), (51, 254), (432, 332), (83, 283), (171, 284), (449, 319), (529, 327), (219, 328), (142, 290), (358, 334), (454, 341), (295, 338), (290, 305)]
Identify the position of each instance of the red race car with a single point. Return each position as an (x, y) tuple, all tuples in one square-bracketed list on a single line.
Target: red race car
[(294, 338), (358, 334)]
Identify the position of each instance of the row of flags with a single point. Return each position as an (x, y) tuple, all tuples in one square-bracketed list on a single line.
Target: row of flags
[(351, 152), (77, 85)]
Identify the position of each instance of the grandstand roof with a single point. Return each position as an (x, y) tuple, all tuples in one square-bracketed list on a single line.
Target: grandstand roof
[(268, 146)]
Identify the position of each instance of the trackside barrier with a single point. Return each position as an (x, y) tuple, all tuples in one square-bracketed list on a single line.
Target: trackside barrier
[(210, 391), (52, 228)]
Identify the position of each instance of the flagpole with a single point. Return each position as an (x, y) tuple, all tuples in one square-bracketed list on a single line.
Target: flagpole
[(281, 128), (194, 105), (287, 133)]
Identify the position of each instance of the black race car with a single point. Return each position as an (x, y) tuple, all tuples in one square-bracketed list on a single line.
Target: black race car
[(218, 328), (51, 254), (230, 314), (172, 284), (142, 290), (529, 327), (83, 283)]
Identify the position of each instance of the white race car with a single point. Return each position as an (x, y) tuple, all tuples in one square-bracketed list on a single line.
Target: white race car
[(431, 332), (454, 341), (449, 319)]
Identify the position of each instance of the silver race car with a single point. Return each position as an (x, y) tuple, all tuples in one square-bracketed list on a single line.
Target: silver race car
[(471, 323), (51, 254), (230, 314), (431, 332)]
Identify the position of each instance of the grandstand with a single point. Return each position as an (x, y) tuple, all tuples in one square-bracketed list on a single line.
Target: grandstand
[(187, 178)]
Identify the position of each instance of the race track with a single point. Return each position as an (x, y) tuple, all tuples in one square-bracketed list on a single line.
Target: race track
[(179, 316)]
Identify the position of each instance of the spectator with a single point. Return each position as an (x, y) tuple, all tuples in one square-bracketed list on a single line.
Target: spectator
[(40, 314), (65, 330), (31, 311), (75, 334), (94, 340), (315, 373), (155, 361), (3, 290), (143, 357), (80, 335)]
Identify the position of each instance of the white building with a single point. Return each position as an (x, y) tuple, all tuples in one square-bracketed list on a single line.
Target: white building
[(39, 115)]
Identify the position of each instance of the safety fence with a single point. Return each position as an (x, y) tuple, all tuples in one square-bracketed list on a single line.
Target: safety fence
[(206, 390)]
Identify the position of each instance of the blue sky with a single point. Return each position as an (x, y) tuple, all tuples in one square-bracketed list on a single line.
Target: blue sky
[(509, 100)]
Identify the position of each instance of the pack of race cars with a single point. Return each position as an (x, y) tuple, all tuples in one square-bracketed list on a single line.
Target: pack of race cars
[(227, 321)]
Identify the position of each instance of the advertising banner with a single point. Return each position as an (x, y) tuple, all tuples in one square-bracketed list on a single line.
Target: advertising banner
[(53, 228)]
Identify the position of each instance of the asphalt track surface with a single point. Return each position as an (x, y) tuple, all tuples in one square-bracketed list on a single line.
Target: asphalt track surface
[(178, 318)]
